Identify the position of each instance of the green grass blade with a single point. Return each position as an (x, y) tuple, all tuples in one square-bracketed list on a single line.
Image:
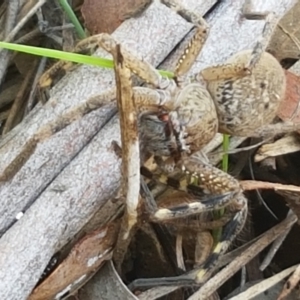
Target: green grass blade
[(217, 233), (68, 56), (71, 15), (167, 74), (225, 155)]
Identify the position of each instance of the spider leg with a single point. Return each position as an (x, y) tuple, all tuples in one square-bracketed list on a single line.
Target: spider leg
[(47, 130), (227, 71), (196, 225), (59, 69), (200, 274), (197, 207), (180, 120), (215, 188), (145, 99), (64, 120), (140, 67), (196, 43), (89, 45), (223, 191), (264, 39)]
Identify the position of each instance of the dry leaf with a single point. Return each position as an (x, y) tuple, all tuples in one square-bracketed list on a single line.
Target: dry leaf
[(86, 257), (285, 145), (289, 110), (106, 16)]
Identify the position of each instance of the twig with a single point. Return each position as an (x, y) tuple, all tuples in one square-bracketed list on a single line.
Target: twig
[(34, 87), (249, 185), (22, 22), (11, 16), (274, 248), (179, 253), (16, 107), (215, 282), (290, 284), (263, 285), (28, 36), (4, 54)]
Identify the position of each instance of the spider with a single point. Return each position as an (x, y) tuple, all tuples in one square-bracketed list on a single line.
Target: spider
[(176, 129), (250, 85), (176, 119)]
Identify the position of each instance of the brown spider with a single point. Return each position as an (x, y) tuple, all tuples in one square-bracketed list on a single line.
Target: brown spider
[(177, 120), (250, 85)]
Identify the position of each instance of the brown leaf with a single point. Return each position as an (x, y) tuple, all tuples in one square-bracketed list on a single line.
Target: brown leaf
[(289, 108), (106, 16), (86, 256)]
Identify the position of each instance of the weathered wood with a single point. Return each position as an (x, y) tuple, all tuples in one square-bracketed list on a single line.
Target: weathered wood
[(68, 176), (143, 35), (90, 179)]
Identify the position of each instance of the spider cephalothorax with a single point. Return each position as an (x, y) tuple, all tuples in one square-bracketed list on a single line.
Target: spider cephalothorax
[(186, 122)]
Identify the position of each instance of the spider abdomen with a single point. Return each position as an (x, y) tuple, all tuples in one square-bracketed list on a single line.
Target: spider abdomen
[(245, 104)]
